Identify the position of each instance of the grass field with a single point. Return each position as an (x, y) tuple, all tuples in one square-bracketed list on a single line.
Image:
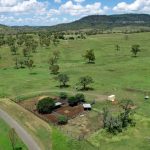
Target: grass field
[(114, 73), (5, 143)]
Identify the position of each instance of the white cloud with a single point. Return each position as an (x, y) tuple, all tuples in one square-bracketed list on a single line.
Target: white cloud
[(79, 1), (57, 1), (78, 9), (138, 6), (8, 2), (18, 6)]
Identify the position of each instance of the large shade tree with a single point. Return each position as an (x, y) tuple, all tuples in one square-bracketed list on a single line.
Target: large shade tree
[(85, 81), (90, 56), (63, 79), (46, 105)]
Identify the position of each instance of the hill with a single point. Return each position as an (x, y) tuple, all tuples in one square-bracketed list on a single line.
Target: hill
[(102, 22), (106, 21)]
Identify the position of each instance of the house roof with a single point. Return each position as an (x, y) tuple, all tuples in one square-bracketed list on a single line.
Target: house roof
[(87, 106), (58, 104)]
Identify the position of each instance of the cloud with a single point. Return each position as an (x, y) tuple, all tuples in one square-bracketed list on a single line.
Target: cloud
[(138, 6), (79, 1), (78, 9), (18, 6), (57, 1)]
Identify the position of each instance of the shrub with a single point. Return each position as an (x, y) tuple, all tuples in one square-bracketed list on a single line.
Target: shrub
[(45, 105), (80, 97), (63, 95), (62, 120), (72, 101)]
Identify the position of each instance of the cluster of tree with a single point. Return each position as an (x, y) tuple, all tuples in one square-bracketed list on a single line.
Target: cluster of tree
[(46, 105), (63, 96), (75, 100), (2, 40), (82, 84), (135, 49), (44, 39), (116, 124)]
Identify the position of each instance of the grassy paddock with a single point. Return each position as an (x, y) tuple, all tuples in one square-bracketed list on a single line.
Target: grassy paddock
[(114, 73)]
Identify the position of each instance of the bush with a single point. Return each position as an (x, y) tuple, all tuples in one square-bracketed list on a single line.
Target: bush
[(80, 97), (46, 105), (72, 101), (63, 95), (62, 120)]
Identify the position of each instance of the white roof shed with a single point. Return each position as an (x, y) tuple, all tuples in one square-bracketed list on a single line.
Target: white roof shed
[(87, 106), (58, 104)]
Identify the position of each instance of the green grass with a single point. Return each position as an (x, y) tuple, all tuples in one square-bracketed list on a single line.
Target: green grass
[(133, 138), (5, 143), (114, 73), (62, 142)]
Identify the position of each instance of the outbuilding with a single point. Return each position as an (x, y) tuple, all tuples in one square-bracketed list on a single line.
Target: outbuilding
[(112, 98), (58, 104), (87, 106)]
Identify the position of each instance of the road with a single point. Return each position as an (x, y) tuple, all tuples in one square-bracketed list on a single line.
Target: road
[(22, 133)]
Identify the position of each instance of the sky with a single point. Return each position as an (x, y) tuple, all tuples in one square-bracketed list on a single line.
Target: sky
[(51, 12)]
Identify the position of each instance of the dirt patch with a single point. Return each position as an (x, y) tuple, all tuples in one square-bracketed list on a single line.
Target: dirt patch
[(83, 125), (68, 111)]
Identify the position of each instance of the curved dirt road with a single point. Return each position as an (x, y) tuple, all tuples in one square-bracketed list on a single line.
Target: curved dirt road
[(26, 138)]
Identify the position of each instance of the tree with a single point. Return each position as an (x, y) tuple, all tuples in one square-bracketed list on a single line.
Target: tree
[(105, 116), (52, 61), (26, 51), (90, 56), (34, 46), (46, 105), (13, 49), (135, 49), (21, 61), (30, 64), (11, 41), (127, 113), (85, 81), (56, 54), (62, 120), (115, 124), (54, 69), (2, 40), (72, 101), (13, 138), (63, 95), (117, 47), (63, 79), (16, 62), (80, 97)]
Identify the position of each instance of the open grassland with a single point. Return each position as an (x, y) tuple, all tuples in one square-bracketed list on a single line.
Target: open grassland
[(114, 73), (5, 143)]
